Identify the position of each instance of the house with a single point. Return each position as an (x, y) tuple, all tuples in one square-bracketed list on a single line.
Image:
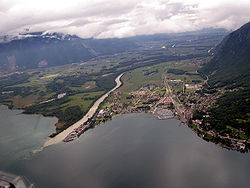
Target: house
[(193, 86), (61, 95)]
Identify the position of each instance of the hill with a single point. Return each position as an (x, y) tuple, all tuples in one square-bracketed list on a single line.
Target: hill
[(231, 63), (42, 49), (34, 50), (229, 73)]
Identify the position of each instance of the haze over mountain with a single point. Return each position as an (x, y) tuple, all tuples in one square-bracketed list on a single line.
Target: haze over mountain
[(97, 19), (34, 50), (43, 49)]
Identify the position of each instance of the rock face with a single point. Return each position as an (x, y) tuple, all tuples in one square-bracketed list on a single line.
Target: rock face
[(231, 63), (39, 49)]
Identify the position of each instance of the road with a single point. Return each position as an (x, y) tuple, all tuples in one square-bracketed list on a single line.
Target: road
[(175, 103)]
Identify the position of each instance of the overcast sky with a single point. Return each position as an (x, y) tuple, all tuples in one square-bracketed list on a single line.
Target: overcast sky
[(120, 18)]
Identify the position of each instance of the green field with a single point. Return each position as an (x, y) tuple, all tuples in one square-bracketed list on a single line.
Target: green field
[(36, 90), (137, 78), (84, 100)]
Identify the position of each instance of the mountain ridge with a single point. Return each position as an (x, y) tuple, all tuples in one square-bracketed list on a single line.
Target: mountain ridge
[(228, 72), (44, 50), (231, 62)]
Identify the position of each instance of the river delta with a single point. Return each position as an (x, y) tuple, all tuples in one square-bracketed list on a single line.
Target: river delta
[(133, 150)]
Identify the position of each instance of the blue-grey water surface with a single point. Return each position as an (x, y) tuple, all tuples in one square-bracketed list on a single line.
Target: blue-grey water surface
[(21, 134), (136, 150)]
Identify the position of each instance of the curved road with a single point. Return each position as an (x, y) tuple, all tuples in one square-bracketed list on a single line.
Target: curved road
[(58, 138)]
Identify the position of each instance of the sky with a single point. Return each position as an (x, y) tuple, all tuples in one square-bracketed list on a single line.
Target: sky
[(120, 18)]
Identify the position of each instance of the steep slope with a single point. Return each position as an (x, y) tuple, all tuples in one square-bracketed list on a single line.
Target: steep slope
[(44, 50), (231, 63), (229, 73), (41, 51)]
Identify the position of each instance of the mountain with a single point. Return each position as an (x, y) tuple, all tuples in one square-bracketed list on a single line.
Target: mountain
[(40, 49), (229, 73), (231, 63)]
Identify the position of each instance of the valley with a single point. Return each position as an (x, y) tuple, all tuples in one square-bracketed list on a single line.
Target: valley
[(68, 91), (168, 95), (163, 76), (124, 94)]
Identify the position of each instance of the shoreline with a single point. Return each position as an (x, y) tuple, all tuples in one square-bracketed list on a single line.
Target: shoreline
[(59, 137)]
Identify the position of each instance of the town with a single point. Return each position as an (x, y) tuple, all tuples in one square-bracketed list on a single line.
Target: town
[(188, 103)]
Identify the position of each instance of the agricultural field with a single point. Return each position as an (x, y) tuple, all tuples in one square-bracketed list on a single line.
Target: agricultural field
[(138, 78), (61, 90), (144, 89)]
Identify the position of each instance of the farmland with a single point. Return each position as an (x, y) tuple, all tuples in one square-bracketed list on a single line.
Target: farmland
[(74, 87)]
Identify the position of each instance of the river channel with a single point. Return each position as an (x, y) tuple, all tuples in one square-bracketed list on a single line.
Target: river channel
[(58, 138), (134, 150)]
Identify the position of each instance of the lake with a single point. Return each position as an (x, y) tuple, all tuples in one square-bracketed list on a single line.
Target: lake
[(21, 134), (134, 150)]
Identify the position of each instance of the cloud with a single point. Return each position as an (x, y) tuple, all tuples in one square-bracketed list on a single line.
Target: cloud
[(119, 18)]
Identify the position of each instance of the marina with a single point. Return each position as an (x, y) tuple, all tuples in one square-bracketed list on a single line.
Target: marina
[(163, 113)]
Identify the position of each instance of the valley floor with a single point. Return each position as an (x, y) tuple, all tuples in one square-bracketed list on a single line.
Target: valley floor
[(163, 102)]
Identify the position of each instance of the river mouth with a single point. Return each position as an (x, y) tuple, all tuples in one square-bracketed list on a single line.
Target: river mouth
[(136, 150), (61, 136)]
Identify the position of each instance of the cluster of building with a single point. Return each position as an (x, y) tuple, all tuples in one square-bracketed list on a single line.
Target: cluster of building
[(203, 103), (235, 144), (193, 86), (166, 99), (175, 81), (145, 99), (59, 96), (148, 99), (77, 132), (240, 146), (149, 87), (7, 92), (104, 113)]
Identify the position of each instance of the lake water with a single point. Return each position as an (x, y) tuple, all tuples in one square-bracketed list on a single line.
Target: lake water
[(21, 134), (135, 150)]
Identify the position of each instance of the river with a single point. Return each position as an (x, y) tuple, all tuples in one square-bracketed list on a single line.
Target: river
[(134, 150), (58, 138)]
